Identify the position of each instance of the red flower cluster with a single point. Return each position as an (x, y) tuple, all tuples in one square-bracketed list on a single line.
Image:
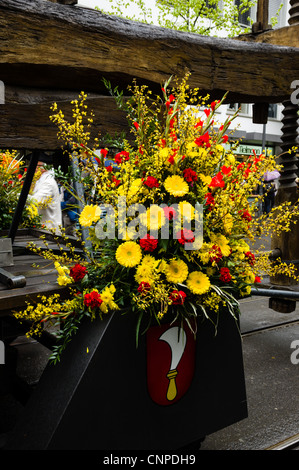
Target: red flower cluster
[(190, 175), (246, 216), (151, 182), (143, 287), (225, 275), (210, 201), (250, 257), (77, 272), (92, 300), (185, 236), (121, 157), (177, 297), (148, 243), (215, 254)]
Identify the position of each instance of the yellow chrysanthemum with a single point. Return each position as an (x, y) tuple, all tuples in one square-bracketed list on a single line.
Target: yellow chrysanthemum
[(145, 273), (176, 271), (128, 254), (198, 282), (221, 241), (108, 299), (89, 214), (176, 186)]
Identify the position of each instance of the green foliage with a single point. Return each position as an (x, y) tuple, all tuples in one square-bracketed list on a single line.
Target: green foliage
[(205, 17)]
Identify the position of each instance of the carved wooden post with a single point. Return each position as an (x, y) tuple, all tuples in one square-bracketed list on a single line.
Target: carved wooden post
[(262, 17)]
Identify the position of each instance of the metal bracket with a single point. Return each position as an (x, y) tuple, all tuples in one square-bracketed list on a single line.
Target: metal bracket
[(11, 281)]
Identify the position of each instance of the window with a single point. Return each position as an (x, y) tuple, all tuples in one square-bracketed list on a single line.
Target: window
[(272, 111), (244, 17), (243, 107)]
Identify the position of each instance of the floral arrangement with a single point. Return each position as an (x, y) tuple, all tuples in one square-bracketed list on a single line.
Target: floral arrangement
[(12, 174), (168, 215)]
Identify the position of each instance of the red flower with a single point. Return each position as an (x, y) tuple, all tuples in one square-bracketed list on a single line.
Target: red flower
[(250, 257), (203, 140), (92, 300), (151, 182), (109, 168), (207, 112), (215, 254), (104, 152), (116, 181), (177, 297), (246, 216), (143, 287), (190, 175), (257, 279), (217, 181), (226, 170), (225, 139), (210, 201), (225, 275), (77, 272), (121, 156), (185, 236), (169, 101), (136, 125), (148, 243)]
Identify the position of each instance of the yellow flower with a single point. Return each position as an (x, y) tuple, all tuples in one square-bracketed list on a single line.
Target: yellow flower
[(108, 300), (205, 179), (176, 271), (186, 210), (198, 282), (154, 217), (228, 223), (145, 273), (63, 271), (222, 242), (176, 186), (128, 254), (89, 215)]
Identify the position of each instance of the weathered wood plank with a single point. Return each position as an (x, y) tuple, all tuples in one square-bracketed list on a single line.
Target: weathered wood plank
[(45, 44), (287, 36), (25, 122)]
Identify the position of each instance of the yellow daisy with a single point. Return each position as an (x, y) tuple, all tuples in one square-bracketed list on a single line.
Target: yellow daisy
[(176, 185), (128, 254), (89, 214), (176, 271), (154, 217), (198, 282)]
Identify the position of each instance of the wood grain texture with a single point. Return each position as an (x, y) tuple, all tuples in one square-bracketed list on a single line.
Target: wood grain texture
[(47, 44), (51, 51)]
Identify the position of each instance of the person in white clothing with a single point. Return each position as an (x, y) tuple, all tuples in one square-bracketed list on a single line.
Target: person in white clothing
[(46, 194)]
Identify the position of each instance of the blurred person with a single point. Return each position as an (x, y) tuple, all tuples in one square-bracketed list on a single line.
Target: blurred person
[(46, 194)]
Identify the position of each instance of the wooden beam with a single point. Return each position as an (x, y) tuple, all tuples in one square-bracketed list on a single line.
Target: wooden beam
[(25, 123), (49, 45)]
